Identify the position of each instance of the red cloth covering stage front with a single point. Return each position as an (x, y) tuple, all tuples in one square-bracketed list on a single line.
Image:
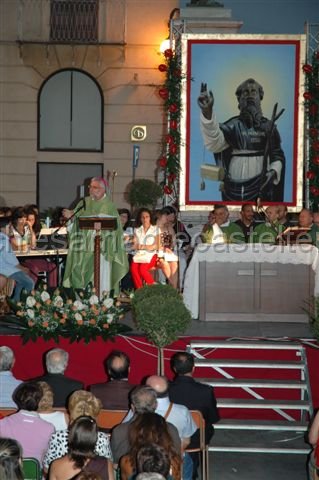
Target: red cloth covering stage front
[(86, 360)]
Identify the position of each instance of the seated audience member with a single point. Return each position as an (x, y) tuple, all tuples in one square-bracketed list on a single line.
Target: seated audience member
[(305, 220), (81, 457), (23, 237), (8, 382), (222, 230), (246, 221), (143, 400), (270, 231), (10, 266), (26, 426), (313, 439), (114, 394), (33, 219), (177, 415), (56, 361), (81, 403), (125, 218), (145, 429), (153, 459), (167, 257), (282, 216), (146, 242), (195, 396), (10, 460), (59, 420), (211, 219)]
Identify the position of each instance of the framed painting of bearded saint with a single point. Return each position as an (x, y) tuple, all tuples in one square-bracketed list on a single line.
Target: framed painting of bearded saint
[(242, 121)]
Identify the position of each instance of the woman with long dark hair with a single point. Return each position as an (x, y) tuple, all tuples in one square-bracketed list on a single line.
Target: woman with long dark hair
[(83, 434), (149, 428)]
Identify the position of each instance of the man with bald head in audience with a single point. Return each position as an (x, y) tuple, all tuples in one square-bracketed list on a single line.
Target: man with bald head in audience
[(114, 394), (178, 415), (143, 400)]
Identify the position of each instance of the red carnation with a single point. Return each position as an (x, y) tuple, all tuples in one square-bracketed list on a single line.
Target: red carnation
[(162, 67), (162, 162), (168, 53), (314, 190), (313, 132), (173, 148), (169, 139), (171, 177), (163, 93), (308, 96), (315, 146), (173, 124), (173, 108), (313, 109), (307, 68), (315, 160), (310, 175), (167, 190)]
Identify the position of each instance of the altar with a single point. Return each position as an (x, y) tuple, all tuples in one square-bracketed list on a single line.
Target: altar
[(252, 282)]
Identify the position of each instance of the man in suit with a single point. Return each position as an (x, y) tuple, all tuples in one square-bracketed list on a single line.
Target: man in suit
[(56, 363), (195, 396), (114, 394)]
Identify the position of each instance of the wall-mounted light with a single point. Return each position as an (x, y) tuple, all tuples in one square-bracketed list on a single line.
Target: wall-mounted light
[(165, 45)]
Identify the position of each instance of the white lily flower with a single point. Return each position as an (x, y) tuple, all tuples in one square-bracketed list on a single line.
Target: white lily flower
[(109, 318), (30, 302), (30, 313), (78, 305), (45, 296), (108, 302), (78, 316), (94, 300), (58, 301)]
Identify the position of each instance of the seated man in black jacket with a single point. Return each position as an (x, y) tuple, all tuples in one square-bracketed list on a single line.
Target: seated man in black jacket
[(195, 396)]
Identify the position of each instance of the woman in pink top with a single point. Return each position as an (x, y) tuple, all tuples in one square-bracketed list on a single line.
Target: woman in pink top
[(26, 426)]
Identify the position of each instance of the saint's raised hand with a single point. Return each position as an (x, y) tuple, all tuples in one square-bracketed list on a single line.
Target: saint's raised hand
[(206, 101)]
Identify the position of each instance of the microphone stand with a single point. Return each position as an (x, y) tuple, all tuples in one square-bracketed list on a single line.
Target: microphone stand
[(63, 224)]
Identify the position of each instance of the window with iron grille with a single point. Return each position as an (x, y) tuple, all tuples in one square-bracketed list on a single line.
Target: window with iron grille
[(74, 21)]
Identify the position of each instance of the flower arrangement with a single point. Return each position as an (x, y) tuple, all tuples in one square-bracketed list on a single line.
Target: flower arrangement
[(170, 92), (69, 313), (311, 97)]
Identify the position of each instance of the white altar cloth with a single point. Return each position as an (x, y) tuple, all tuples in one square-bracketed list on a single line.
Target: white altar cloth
[(254, 252)]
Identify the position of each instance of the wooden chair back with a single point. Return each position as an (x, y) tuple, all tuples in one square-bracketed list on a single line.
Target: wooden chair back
[(202, 449), (107, 419)]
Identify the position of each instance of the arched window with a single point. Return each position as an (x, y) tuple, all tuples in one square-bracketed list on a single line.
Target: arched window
[(70, 112)]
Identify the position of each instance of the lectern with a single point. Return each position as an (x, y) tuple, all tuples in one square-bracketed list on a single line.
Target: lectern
[(97, 224)]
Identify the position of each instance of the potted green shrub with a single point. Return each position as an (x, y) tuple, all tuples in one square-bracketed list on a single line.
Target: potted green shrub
[(159, 311), (143, 193)]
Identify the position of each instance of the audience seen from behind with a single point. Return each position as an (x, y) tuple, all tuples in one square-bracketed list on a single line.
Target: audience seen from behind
[(81, 457), (8, 382), (10, 460), (143, 400), (80, 403), (114, 394), (178, 415), (145, 429), (153, 462), (59, 420), (26, 426), (56, 361), (195, 396)]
